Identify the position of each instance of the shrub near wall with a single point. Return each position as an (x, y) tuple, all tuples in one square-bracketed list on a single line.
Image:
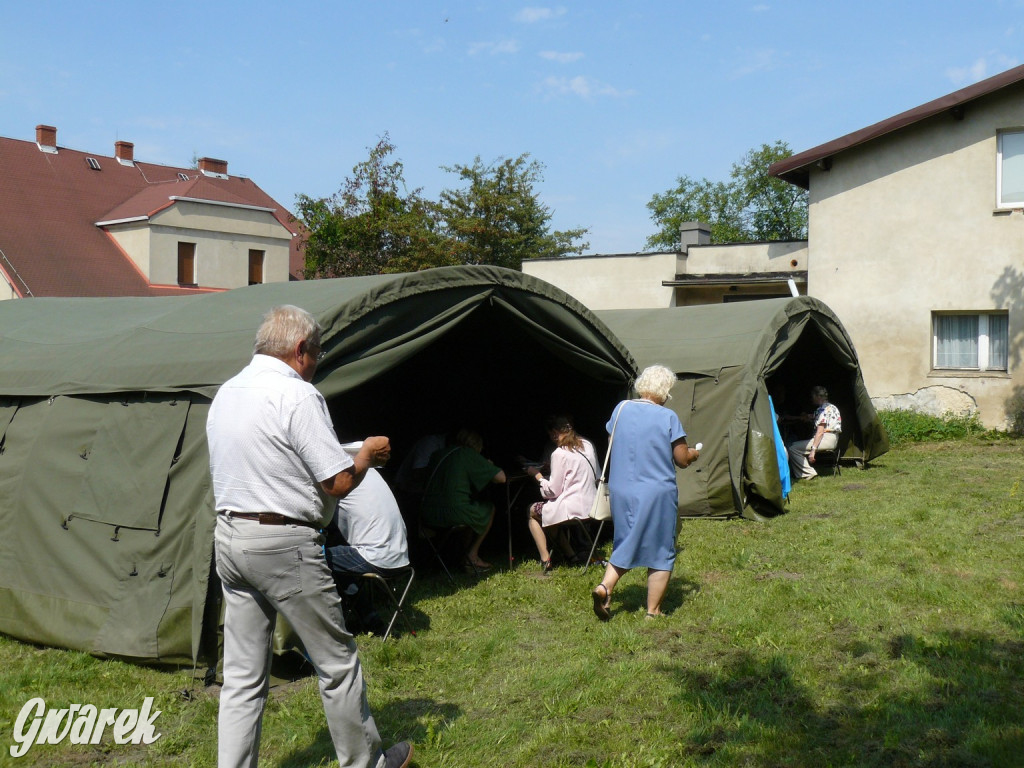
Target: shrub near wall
[(905, 426)]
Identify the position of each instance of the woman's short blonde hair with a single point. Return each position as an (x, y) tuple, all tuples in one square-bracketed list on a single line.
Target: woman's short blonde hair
[(655, 382), (282, 328)]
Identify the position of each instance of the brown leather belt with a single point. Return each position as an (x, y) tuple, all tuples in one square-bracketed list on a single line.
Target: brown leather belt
[(269, 518)]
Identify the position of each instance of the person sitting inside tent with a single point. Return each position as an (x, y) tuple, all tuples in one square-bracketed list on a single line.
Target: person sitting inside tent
[(568, 493), (828, 423), (458, 477), (370, 524)]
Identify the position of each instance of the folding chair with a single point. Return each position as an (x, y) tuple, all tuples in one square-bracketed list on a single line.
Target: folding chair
[(438, 541), (583, 524), (830, 459), (389, 587), (593, 540)]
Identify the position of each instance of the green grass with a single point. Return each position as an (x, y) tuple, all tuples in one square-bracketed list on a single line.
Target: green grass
[(879, 623)]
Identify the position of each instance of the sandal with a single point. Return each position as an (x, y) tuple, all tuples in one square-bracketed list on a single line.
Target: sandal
[(476, 568), (602, 602), (653, 616)]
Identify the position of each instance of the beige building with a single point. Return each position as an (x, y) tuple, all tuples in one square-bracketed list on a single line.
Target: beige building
[(915, 240), (698, 273)]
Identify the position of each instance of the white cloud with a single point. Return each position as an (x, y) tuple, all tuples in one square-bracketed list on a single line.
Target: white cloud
[(979, 69), (756, 61), (560, 57), (503, 46), (531, 15), (581, 86)]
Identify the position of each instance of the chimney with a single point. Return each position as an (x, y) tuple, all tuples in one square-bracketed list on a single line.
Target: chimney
[(693, 233), (46, 138), (211, 167), (124, 151)]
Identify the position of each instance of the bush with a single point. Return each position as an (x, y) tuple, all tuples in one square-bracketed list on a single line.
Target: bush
[(1015, 413), (904, 426)]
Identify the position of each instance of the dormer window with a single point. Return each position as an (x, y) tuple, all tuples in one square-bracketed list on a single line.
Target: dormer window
[(93, 163), (186, 263), (256, 266)]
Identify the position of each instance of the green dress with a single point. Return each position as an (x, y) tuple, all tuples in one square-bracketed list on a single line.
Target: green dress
[(455, 492)]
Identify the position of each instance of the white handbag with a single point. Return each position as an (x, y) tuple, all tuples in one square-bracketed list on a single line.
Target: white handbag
[(602, 507)]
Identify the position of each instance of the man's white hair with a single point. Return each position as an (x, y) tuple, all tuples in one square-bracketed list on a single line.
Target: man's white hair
[(282, 328), (655, 382)]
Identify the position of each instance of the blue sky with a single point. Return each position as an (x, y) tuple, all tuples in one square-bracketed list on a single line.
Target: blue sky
[(616, 99)]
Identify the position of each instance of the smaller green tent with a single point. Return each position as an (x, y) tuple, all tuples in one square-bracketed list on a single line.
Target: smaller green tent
[(728, 358)]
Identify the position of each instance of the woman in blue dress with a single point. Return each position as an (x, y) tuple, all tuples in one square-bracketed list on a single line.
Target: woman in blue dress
[(647, 446)]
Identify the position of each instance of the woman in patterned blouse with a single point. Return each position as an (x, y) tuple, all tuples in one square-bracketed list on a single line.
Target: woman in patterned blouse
[(827, 426)]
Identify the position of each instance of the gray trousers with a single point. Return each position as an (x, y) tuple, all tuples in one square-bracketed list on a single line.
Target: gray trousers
[(271, 569), (798, 451)]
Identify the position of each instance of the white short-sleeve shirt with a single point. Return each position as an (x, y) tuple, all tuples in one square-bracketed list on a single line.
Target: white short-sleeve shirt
[(271, 443), (371, 522)]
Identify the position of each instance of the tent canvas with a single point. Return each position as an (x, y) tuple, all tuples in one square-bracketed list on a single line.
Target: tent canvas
[(105, 498), (728, 357)]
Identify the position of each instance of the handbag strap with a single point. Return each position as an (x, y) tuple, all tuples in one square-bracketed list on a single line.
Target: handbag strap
[(611, 437), (440, 461)]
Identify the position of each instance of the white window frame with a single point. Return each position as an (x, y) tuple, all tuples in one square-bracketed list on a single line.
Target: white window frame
[(1018, 133), (983, 361)]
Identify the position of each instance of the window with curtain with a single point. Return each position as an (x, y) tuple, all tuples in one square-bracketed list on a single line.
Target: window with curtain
[(963, 341), (1011, 169)]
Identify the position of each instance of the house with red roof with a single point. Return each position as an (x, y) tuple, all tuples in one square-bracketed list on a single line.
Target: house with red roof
[(74, 223)]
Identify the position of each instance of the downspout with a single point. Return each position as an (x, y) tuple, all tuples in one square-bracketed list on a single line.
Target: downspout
[(9, 270)]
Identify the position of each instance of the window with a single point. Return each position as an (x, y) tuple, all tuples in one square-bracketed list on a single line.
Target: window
[(186, 263), (1010, 169), (255, 266), (971, 342)]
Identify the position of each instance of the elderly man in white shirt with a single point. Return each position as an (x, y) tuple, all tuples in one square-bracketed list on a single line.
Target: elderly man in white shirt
[(273, 451)]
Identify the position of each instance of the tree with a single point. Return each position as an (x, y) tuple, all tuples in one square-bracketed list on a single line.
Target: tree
[(372, 225), (752, 206), (498, 219)]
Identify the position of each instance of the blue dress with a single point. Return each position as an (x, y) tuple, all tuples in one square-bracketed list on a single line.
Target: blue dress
[(642, 485)]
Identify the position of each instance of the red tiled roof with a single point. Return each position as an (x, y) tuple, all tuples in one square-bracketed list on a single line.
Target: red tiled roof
[(50, 204), (796, 169)]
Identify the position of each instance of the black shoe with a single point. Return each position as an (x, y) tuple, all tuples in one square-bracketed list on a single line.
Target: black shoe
[(398, 756)]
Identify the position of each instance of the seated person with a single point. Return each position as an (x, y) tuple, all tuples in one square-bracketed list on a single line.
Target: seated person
[(458, 477), (412, 472), (371, 525), (828, 423), (569, 491)]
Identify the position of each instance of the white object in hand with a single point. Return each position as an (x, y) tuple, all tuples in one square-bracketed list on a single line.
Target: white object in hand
[(698, 446), (352, 448)]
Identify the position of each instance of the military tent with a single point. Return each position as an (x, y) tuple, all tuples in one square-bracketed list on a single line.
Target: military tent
[(105, 500), (728, 358)]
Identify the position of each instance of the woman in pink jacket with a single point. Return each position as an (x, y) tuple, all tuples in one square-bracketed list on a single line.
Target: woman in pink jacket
[(568, 493)]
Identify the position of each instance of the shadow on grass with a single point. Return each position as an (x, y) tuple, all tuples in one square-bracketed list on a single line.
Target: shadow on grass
[(631, 595), (964, 707), (414, 720)]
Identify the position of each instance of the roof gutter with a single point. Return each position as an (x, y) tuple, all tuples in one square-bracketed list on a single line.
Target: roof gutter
[(8, 269)]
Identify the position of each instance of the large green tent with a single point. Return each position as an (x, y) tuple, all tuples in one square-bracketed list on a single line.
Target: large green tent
[(728, 358), (105, 500)]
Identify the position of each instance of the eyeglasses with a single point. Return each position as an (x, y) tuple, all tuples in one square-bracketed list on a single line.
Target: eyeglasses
[(318, 355)]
